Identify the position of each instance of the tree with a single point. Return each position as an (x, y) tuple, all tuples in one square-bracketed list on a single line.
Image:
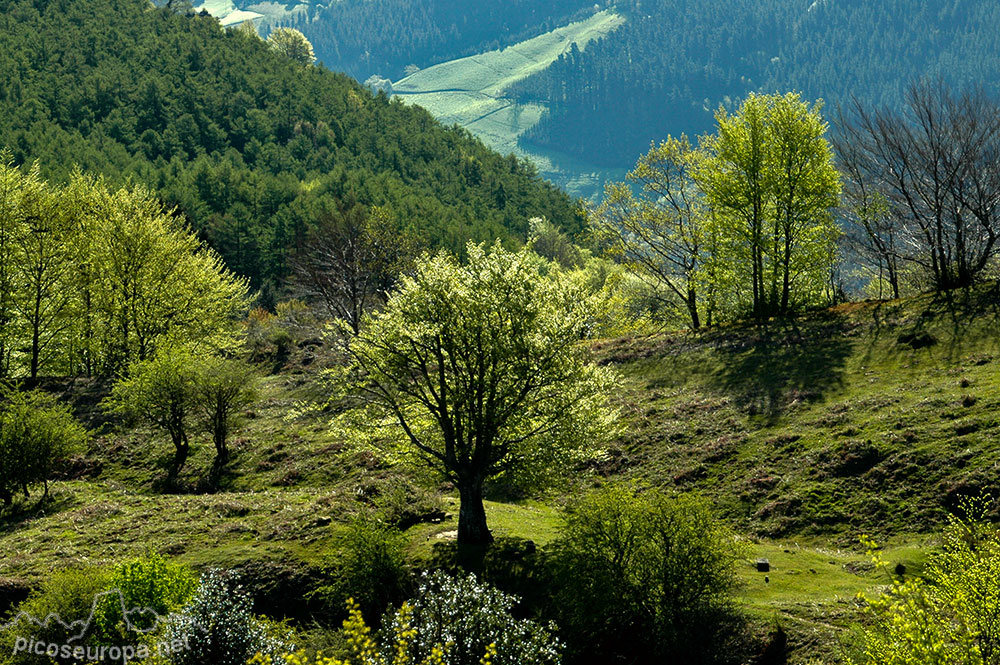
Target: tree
[(481, 368), (950, 614), (936, 165), (222, 388), (351, 261), (660, 234), (43, 263), (770, 180), (36, 432), (292, 44), (160, 391), (153, 279), (656, 567)]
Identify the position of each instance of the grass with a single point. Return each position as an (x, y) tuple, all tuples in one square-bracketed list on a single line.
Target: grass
[(829, 426), (470, 92), (803, 435)]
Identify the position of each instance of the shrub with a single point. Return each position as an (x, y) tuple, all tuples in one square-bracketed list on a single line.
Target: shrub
[(371, 569), (468, 617), (657, 568), (150, 581), (67, 593), (222, 388), (948, 616), (160, 391), (36, 431), (364, 650), (219, 627)]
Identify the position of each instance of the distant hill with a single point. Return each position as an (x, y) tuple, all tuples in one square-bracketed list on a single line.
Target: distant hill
[(250, 146), (675, 61), (383, 37), (672, 64)]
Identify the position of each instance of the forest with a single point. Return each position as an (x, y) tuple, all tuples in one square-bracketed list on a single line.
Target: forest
[(386, 37), (249, 146), (416, 405), (675, 62)]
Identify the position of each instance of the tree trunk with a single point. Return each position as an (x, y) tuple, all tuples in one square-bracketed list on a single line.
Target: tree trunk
[(472, 529), (692, 304)]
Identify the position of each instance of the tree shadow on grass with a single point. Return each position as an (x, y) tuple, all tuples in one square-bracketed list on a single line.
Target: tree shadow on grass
[(24, 510), (782, 363), (946, 323)]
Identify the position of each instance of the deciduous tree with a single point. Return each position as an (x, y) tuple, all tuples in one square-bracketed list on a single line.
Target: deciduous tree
[(659, 233), (936, 163), (480, 366), (772, 184)]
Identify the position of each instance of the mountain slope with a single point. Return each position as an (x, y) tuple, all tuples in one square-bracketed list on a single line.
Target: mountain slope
[(252, 147), (672, 64)]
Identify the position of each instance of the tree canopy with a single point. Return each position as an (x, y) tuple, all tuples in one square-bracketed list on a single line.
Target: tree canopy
[(479, 364)]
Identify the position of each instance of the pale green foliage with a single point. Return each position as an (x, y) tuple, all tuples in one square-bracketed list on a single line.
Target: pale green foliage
[(91, 279), (770, 181), (152, 279), (467, 616), (293, 44), (223, 387), (149, 581), (951, 614), (160, 391), (659, 234), (36, 432), (480, 366)]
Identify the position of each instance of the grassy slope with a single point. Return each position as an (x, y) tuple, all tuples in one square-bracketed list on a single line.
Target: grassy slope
[(803, 437), (470, 92)]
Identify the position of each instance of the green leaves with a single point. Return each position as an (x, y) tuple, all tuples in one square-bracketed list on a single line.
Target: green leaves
[(771, 182), (951, 614), (36, 432), (480, 367)]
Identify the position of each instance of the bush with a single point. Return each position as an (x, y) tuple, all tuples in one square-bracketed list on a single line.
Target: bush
[(68, 593), (371, 569), (145, 582), (469, 617), (657, 568), (223, 387), (363, 650), (948, 616), (36, 431), (219, 626), (160, 391)]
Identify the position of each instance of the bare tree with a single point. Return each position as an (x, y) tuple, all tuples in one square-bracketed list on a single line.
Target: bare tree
[(351, 261), (937, 164)]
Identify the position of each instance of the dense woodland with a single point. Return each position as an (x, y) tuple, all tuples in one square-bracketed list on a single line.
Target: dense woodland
[(675, 61), (249, 145), (384, 37)]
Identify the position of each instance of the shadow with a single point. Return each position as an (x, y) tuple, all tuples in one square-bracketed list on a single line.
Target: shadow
[(771, 367), (946, 323), (24, 510)]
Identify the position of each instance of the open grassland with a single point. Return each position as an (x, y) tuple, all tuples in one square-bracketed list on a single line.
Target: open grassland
[(470, 92)]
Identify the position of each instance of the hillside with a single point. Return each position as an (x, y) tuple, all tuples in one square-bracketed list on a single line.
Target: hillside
[(471, 92), (675, 61), (251, 147), (869, 418), (670, 66)]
